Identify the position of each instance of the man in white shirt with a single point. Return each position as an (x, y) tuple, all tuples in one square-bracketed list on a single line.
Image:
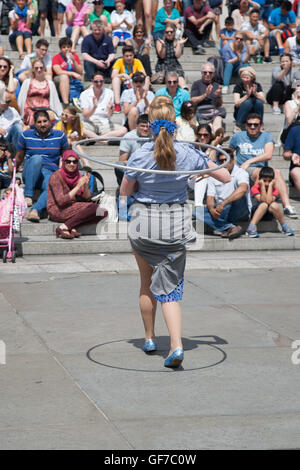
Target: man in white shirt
[(257, 36), (97, 105), (10, 119), (227, 203), (292, 46), (136, 100), (41, 52)]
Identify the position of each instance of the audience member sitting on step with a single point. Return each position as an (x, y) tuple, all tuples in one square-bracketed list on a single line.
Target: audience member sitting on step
[(235, 56), (69, 198), (254, 149), (42, 146), (292, 154), (248, 97), (136, 100), (206, 94), (228, 203), (97, 106), (283, 78), (10, 119), (173, 91), (264, 195)]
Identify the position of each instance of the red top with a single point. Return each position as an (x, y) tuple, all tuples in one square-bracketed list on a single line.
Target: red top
[(58, 59), (255, 190)]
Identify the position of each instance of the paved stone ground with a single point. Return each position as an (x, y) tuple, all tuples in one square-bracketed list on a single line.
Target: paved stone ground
[(76, 378)]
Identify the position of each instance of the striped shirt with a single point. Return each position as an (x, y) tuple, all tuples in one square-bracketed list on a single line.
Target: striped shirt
[(50, 147)]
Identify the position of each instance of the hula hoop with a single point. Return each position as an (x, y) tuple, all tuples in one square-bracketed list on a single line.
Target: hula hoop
[(145, 170)]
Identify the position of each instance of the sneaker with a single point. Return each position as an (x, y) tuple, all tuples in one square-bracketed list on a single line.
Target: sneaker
[(268, 59), (252, 231), (209, 43), (117, 108), (235, 232), (199, 50), (276, 111), (286, 230), (289, 211), (225, 90), (33, 216)]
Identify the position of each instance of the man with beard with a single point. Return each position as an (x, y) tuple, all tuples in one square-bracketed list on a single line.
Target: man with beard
[(42, 146)]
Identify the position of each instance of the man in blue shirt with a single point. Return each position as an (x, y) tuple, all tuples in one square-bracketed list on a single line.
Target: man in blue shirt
[(98, 51), (292, 153), (173, 91), (280, 19), (42, 146), (254, 148)]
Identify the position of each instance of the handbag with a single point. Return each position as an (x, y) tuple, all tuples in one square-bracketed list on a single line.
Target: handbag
[(207, 113), (76, 88), (108, 203), (158, 78)]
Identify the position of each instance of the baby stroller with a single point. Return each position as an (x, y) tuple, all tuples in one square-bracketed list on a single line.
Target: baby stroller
[(12, 212)]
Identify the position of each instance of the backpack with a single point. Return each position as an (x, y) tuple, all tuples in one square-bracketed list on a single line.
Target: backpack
[(285, 131), (273, 46), (218, 63)]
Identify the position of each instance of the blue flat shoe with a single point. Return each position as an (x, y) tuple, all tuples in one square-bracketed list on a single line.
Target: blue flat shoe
[(175, 359), (150, 346)]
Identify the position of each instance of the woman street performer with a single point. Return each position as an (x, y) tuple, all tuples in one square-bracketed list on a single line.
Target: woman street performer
[(159, 208)]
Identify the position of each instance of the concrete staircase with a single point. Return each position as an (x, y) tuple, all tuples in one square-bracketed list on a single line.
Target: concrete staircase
[(40, 238)]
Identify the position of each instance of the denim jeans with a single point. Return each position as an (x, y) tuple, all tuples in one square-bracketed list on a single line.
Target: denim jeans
[(232, 69), (4, 181), (36, 177), (232, 213), (251, 105), (90, 69), (13, 134)]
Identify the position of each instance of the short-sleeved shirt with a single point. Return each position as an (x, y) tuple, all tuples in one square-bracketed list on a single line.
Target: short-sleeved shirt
[(121, 67), (239, 18), (94, 17), (86, 102), (128, 96), (50, 147), (199, 88), (116, 17), (157, 188), (292, 142), (221, 191), (258, 30), (239, 88), (161, 16), (228, 53), (129, 142), (255, 191), (228, 34), (288, 78), (4, 171), (79, 16), (99, 50), (189, 11), (29, 58), (59, 59), (180, 97), (276, 17), (247, 148)]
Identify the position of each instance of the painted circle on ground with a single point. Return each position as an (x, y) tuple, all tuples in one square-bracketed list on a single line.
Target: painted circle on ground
[(127, 354)]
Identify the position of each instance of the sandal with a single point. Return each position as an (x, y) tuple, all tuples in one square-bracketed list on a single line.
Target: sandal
[(60, 233)]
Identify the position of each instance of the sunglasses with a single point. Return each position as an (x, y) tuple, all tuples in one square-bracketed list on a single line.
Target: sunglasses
[(38, 68), (203, 135), (3, 66), (207, 73), (69, 162), (8, 102), (98, 81), (239, 39), (172, 81), (253, 124), (221, 161), (169, 32)]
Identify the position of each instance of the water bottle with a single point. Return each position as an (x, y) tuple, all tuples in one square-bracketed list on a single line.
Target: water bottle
[(69, 61)]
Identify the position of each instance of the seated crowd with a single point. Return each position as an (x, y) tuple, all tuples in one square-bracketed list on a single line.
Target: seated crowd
[(49, 103)]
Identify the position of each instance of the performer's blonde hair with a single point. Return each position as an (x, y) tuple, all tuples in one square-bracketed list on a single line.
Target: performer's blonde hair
[(162, 108)]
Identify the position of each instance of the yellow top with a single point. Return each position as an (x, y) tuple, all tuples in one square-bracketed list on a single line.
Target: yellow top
[(58, 126), (136, 66)]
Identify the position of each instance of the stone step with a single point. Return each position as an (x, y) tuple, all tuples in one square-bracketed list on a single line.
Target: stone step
[(46, 228), (91, 244)]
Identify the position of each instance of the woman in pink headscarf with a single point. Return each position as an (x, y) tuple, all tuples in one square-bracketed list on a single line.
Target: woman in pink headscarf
[(69, 198)]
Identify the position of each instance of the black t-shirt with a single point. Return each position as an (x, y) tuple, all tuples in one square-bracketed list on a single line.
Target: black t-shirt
[(199, 88), (239, 88)]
